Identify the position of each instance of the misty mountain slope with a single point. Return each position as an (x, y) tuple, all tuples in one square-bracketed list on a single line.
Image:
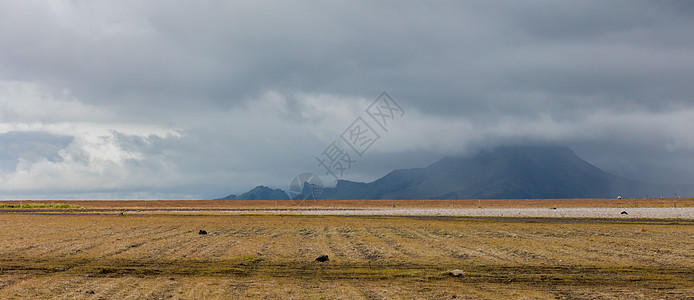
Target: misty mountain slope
[(517, 172), (514, 172), (502, 173), (259, 193)]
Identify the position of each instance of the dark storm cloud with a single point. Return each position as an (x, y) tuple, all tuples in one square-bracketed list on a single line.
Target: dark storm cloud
[(207, 96), (199, 54)]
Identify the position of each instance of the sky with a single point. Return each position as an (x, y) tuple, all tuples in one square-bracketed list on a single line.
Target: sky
[(201, 99)]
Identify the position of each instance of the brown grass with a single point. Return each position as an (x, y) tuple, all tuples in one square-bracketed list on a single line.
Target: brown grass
[(159, 256), (469, 203)]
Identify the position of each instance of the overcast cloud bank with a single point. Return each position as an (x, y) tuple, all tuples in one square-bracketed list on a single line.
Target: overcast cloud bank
[(125, 99)]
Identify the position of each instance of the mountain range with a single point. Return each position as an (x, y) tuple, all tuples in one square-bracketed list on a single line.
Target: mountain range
[(512, 172), (259, 193)]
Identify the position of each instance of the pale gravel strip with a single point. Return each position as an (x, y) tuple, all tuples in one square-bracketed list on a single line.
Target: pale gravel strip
[(683, 213)]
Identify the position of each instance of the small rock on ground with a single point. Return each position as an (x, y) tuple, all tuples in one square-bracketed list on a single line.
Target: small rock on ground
[(323, 258)]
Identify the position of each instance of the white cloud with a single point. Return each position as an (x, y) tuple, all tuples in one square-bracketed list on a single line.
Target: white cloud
[(94, 160), (269, 140)]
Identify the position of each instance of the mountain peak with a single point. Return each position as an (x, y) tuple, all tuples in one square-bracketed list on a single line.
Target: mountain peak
[(259, 193), (506, 172)]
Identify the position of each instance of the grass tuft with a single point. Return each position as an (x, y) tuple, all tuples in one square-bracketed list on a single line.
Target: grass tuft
[(39, 205)]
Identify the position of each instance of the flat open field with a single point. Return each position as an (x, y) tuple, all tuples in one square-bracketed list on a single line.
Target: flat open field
[(265, 204), (160, 255)]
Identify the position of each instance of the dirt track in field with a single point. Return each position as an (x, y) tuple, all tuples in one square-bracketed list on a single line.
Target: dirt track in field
[(661, 213)]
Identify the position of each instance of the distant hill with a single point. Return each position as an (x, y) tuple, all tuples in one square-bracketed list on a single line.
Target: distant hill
[(259, 193), (515, 172), (309, 192), (518, 172)]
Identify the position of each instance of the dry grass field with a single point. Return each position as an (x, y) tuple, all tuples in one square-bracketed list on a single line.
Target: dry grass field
[(462, 203), (87, 255)]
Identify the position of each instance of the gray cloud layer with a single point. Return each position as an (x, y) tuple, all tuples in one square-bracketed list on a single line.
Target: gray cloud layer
[(132, 99)]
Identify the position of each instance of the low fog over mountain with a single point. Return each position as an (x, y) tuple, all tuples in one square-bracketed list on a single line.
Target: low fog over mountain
[(517, 172)]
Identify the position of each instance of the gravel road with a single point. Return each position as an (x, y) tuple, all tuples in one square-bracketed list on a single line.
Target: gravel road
[(684, 213), (680, 213)]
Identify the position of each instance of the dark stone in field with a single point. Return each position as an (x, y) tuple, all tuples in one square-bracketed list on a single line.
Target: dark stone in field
[(624, 212), (322, 258), (90, 292), (202, 232)]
